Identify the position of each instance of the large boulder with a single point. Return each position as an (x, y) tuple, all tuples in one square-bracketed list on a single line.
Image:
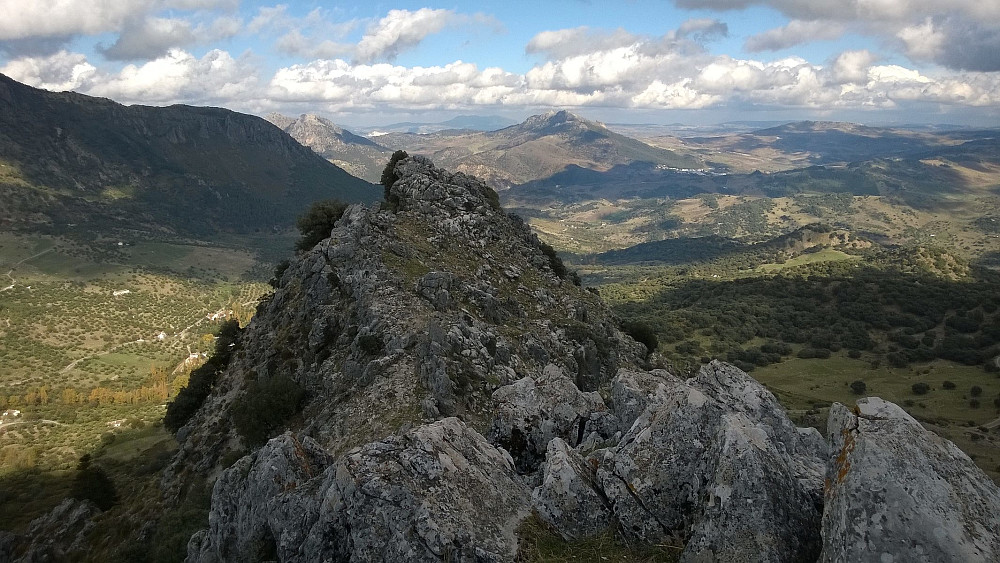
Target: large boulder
[(262, 506), (440, 491), (569, 498), (716, 463), (532, 411), (896, 492)]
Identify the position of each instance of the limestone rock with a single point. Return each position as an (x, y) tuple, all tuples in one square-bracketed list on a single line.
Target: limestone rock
[(568, 498), (416, 497), (530, 412), (441, 492), (59, 535), (714, 461), (408, 315), (632, 391), (897, 492), (250, 516)]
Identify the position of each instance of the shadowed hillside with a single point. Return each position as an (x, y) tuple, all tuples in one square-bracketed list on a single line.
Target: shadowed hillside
[(74, 159)]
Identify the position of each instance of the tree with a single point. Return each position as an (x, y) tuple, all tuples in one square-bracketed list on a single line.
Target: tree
[(976, 391), (261, 411), (316, 224), (190, 398), (920, 388), (93, 484), (859, 387), (389, 176), (643, 333)]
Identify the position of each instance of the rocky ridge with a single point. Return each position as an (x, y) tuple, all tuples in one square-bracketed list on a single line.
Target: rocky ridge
[(448, 369), (499, 384)]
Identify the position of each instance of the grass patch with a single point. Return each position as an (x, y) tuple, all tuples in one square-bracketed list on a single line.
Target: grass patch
[(824, 255), (537, 542)]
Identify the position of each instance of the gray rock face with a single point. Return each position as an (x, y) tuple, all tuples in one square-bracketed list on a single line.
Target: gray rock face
[(531, 412), (438, 492), (59, 535), (569, 498), (896, 492), (633, 391), (257, 508), (400, 318), (714, 461)]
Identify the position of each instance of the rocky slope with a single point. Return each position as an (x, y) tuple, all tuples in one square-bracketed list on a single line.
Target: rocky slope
[(70, 158), (358, 155), (442, 326), (455, 385)]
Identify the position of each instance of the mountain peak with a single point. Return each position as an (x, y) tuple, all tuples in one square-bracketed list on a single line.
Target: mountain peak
[(557, 118)]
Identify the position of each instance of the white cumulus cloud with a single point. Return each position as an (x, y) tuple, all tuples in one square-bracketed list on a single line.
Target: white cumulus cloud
[(57, 72)]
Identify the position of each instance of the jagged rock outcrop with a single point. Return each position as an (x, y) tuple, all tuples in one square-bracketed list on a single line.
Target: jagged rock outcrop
[(413, 328), (258, 509), (439, 492), (714, 461), (531, 412), (408, 315), (59, 535), (897, 492), (569, 497)]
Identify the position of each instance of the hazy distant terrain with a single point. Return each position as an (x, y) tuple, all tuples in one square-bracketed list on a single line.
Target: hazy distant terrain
[(538, 148)]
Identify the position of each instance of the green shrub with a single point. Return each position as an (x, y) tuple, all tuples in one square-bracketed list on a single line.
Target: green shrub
[(190, 398), (93, 484), (279, 271), (820, 353), (316, 224), (389, 176), (948, 385), (643, 333), (859, 387), (920, 388), (976, 391), (263, 409), (555, 262)]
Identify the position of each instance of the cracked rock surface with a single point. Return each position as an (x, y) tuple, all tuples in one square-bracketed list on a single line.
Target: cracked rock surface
[(897, 492)]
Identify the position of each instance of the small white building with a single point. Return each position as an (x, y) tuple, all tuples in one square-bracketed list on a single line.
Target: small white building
[(120, 292), (11, 413)]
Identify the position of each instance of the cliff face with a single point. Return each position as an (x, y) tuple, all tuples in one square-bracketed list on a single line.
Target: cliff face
[(454, 384)]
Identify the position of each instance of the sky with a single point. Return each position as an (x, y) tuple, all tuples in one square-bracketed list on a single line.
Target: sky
[(697, 62)]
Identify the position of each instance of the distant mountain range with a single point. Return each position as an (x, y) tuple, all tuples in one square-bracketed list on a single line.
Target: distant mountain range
[(468, 122), (541, 146), (69, 159)]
